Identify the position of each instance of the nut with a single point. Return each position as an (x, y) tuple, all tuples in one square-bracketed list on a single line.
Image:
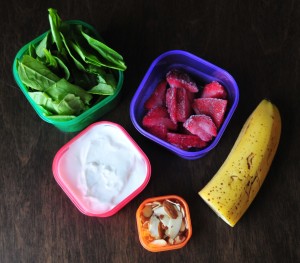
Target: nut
[(170, 209), (147, 211), (179, 239), (159, 242), (182, 227), (165, 222)]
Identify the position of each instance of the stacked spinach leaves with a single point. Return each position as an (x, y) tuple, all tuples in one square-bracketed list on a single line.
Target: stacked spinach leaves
[(69, 70)]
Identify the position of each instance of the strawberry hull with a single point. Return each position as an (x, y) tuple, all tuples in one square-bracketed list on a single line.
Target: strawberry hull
[(200, 71)]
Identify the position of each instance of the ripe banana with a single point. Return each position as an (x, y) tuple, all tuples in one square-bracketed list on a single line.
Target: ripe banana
[(231, 191)]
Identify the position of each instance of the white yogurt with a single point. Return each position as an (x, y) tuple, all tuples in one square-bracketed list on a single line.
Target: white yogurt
[(102, 168)]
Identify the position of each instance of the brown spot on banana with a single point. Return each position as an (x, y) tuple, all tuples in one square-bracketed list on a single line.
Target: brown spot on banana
[(249, 160)]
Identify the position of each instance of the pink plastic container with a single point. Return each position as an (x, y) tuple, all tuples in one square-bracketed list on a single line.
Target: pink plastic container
[(101, 169)]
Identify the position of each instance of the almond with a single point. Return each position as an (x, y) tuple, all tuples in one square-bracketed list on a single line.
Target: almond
[(159, 242), (179, 239), (147, 211), (170, 209), (160, 230), (182, 228)]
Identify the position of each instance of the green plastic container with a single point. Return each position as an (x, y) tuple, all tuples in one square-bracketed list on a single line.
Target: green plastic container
[(87, 117)]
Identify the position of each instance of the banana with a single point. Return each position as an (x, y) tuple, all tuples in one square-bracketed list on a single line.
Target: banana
[(232, 189)]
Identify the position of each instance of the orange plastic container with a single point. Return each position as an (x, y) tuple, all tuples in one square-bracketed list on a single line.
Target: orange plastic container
[(164, 242)]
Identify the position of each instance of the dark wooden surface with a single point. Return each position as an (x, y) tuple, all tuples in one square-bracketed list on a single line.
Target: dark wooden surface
[(258, 42)]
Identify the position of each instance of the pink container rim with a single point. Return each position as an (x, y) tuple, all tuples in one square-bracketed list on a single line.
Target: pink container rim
[(80, 205)]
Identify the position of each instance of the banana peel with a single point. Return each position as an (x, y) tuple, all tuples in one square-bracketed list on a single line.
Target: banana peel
[(232, 189)]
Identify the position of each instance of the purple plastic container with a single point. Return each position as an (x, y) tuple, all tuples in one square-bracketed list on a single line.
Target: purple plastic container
[(202, 72)]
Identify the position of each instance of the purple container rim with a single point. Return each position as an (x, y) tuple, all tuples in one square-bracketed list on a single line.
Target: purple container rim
[(191, 155)]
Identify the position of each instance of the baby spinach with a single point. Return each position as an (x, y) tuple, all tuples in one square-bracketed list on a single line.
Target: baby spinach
[(55, 23), (113, 59), (69, 70), (35, 74), (62, 88)]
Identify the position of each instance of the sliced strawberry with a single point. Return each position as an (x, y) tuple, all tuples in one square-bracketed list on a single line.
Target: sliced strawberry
[(158, 112), (202, 126), (180, 79), (185, 141), (184, 106), (158, 116), (171, 103), (159, 130), (178, 102), (215, 108), (214, 90), (158, 97)]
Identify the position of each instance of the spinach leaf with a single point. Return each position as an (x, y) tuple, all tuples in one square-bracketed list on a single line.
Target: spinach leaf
[(43, 100), (106, 81), (86, 56), (50, 60), (68, 43), (63, 68), (34, 74), (62, 88), (115, 59), (103, 87), (32, 51), (55, 23), (44, 44), (70, 105)]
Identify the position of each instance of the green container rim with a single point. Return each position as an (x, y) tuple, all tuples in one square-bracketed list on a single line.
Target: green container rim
[(38, 109)]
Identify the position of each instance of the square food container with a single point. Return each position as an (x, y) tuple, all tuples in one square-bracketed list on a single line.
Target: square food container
[(101, 169), (202, 72), (164, 223), (87, 117)]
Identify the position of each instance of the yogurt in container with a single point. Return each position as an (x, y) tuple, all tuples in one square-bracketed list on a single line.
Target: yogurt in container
[(101, 169)]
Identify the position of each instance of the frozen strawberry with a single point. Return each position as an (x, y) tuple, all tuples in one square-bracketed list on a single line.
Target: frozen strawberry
[(158, 116), (202, 126), (171, 103), (180, 79), (215, 108), (184, 106), (191, 96), (158, 97), (214, 90), (158, 112), (185, 141), (159, 130)]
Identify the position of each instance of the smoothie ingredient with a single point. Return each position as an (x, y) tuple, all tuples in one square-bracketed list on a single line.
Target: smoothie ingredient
[(69, 70), (158, 97), (214, 90), (171, 103), (159, 116), (202, 126), (102, 168), (215, 108), (180, 79), (178, 110), (164, 222), (233, 188), (179, 104), (160, 131), (185, 141)]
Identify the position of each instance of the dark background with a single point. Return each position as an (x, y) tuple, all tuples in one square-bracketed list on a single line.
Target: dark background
[(258, 42)]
